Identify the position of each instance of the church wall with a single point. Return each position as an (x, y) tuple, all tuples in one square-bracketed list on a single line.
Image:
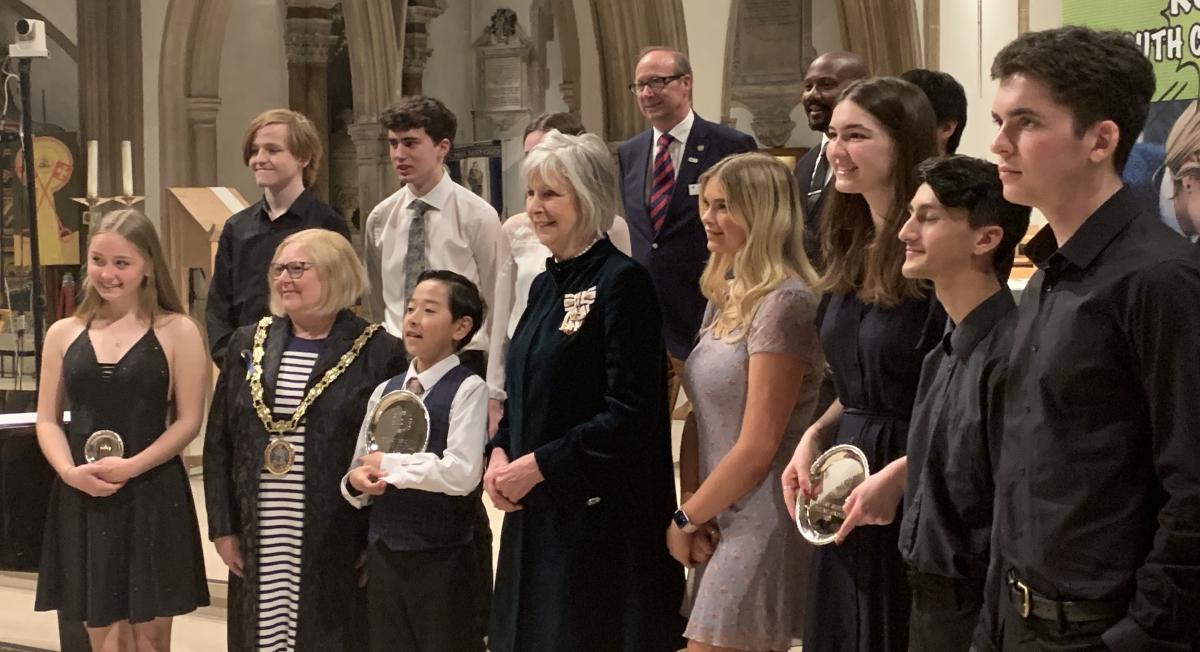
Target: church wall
[(450, 70), (969, 58), (59, 12), (450, 77), (54, 81), (254, 78), (707, 24), (154, 16)]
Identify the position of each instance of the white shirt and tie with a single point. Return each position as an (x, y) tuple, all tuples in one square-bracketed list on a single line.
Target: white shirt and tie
[(458, 470), (461, 230)]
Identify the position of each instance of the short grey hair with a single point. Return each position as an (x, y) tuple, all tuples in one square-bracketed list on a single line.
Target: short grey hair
[(584, 164)]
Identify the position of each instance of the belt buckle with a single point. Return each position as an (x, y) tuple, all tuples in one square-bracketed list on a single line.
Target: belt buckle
[(1025, 599)]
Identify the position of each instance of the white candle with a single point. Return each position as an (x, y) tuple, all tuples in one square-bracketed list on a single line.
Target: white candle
[(127, 168), (93, 167)]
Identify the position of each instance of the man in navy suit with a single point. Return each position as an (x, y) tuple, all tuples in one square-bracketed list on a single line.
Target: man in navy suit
[(825, 80), (659, 169)]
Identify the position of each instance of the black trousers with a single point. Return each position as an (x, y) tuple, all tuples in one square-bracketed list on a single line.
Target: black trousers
[(944, 614), (417, 600), (476, 361), (1019, 634)]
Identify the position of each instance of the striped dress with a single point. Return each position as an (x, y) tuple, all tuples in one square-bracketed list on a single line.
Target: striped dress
[(281, 511)]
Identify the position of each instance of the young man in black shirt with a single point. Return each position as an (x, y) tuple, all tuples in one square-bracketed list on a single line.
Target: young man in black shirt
[(1097, 523), (283, 151), (962, 236)]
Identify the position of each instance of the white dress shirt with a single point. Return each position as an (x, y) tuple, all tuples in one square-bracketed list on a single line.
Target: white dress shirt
[(458, 470), (818, 184), (680, 132), (460, 235), (521, 258)]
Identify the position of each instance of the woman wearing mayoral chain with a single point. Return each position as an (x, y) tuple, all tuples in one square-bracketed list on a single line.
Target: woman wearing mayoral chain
[(122, 547), (282, 430)]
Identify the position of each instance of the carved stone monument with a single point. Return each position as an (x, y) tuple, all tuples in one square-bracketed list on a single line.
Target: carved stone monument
[(772, 47), (502, 94)]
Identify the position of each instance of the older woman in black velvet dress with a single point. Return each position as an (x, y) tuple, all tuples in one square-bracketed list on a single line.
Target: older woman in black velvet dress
[(581, 462)]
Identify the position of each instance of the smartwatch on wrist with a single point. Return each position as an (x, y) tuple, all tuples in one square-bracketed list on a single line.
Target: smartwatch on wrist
[(683, 522)]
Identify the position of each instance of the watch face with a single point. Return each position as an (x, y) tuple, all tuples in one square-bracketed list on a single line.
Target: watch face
[(681, 519)]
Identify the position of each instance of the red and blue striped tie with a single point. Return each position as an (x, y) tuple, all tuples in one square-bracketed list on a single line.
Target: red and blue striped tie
[(664, 183)]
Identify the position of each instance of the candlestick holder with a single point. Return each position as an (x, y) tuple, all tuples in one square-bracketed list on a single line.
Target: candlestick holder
[(92, 204), (129, 200)]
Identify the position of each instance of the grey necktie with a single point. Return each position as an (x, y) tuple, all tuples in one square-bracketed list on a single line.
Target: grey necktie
[(414, 259)]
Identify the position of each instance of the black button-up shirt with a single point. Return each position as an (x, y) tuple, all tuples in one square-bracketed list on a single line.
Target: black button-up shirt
[(954, 444), (1098, 487), (238, 294)]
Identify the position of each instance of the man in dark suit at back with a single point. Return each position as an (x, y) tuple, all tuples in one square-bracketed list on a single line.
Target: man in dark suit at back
[(659, 169), (827, 76)]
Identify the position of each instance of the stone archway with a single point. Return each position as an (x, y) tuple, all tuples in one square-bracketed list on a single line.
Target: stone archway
[(188, 98)]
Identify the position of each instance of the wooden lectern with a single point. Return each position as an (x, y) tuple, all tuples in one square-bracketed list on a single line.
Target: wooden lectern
[(191, 229), (195, 218)]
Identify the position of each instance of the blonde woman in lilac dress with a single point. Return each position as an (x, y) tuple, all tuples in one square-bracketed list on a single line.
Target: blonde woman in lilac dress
[(753, 378)]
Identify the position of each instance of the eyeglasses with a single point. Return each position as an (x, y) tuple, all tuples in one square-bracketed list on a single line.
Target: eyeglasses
[(294, 269), (655, 84)]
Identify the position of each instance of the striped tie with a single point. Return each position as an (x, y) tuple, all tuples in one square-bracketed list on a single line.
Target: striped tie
[(664, 183)]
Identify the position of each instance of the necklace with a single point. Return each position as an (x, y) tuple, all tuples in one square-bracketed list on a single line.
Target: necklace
[(279, 455), (581, 252)]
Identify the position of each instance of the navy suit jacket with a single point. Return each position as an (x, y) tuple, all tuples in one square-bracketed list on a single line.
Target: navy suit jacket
[(812, 219), (676, 255)]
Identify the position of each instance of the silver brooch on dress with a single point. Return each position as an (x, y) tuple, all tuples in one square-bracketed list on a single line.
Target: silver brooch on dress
[(576, 307)]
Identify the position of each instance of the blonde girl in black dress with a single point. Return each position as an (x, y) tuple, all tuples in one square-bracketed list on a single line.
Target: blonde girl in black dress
[(122, 547)]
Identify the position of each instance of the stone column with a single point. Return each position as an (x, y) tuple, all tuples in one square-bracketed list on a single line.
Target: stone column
[(376, 179), (933, 32), (374, 35), (568, 48), (202, 123), (308, 42), (416, 43)]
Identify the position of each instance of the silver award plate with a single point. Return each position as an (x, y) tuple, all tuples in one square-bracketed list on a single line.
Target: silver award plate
[(101, 444), (399, 424), (834, 475)]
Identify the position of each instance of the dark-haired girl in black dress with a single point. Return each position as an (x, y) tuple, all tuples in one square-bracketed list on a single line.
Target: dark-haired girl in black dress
[(876, 328)]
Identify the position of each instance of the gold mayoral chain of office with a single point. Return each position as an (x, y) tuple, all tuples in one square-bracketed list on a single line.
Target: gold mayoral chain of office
[(278, 428)]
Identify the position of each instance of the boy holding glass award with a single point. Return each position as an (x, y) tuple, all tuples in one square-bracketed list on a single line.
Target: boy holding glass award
[(419, 456)]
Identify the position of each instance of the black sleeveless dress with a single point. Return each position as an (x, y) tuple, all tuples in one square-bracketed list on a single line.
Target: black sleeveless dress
[(135, 554)]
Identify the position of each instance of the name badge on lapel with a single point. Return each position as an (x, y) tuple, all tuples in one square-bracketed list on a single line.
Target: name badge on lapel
[(694, 189), (576, 307)]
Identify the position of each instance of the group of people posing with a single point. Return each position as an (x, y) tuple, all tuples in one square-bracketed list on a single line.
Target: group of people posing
[(1035, 469)]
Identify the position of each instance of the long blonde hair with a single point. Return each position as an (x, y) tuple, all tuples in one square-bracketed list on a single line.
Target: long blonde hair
[(761, 196), (157, 295)]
